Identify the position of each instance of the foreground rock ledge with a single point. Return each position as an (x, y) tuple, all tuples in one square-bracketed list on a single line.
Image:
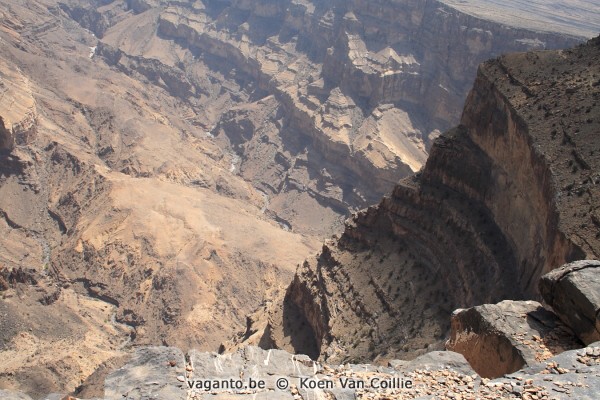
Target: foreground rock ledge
[(166, 373), (573, 374)]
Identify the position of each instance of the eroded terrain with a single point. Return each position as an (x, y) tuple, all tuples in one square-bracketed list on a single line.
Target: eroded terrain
[(164, 166)]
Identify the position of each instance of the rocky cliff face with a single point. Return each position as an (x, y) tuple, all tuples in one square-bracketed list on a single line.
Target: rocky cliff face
[(18, 116), (507, 196)]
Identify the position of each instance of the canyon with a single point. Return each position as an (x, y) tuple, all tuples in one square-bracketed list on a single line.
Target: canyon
[(166, 165), (326, 105)]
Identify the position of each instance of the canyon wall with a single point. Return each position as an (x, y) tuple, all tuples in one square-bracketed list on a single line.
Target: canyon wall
[(359, 89), (18, 117), (508, 195)]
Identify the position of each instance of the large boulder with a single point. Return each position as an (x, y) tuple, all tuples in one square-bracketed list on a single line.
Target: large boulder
[(573, 291), (502, 338)]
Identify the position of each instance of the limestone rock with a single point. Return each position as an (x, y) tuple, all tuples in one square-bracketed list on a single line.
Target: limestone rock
[(152, 372), (249, 363), (436, 360), (436, 375), (10, 395), (397, 364), (501, 338), (573, 292), (572, 374), (18, 117)]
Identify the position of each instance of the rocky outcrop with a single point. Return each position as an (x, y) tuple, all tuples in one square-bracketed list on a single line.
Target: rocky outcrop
[(170, 78), (17, 108), (6, 137), (573, 292), (385, 284), (87, 14), (499, 339), (455, 235), (435, 360), (570, 375)]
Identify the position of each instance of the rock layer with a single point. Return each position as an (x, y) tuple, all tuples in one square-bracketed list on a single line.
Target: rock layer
[(444, 375), (17, 108)]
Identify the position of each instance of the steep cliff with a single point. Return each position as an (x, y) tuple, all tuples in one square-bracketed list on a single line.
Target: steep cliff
[(17, 108), (505, 197)]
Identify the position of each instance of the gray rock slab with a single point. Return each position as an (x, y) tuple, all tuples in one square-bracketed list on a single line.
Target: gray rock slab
[(152, 373), (397, 364), (10, 395), (572, 360), (216, 366), (362, 367), (268, 366), (342, 394), (438, 360), (279, 362)]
